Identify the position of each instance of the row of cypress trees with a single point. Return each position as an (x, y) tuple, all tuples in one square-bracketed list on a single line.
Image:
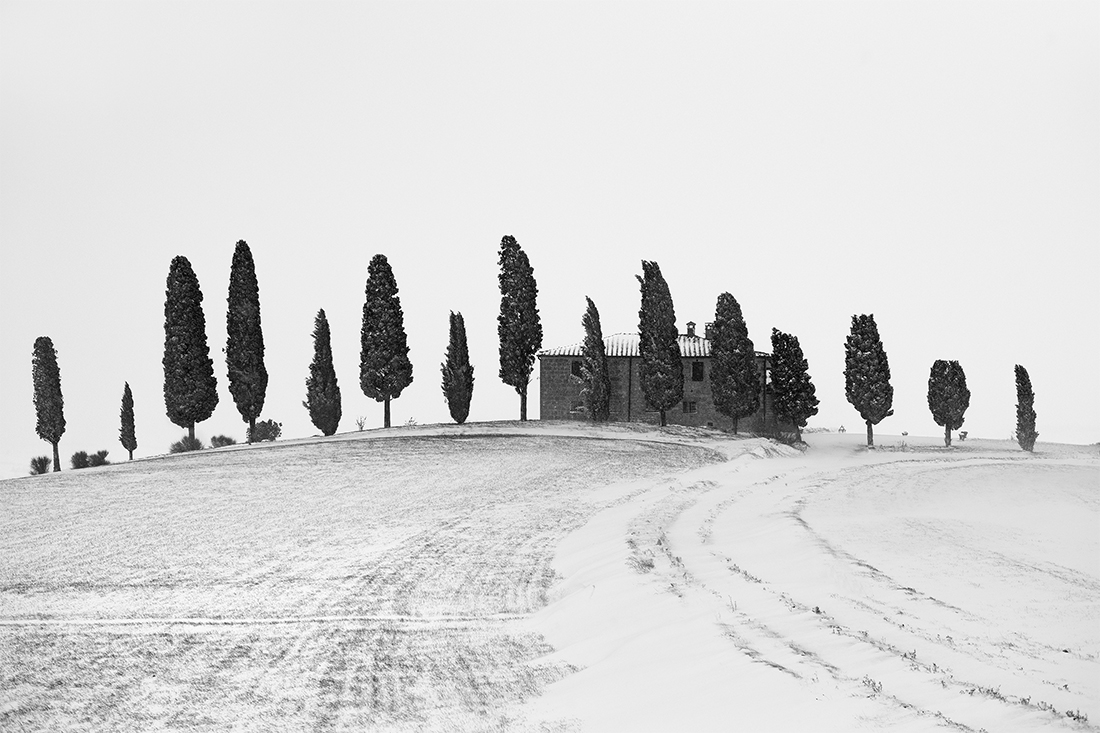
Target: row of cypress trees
[(867, 387), (190, 387)]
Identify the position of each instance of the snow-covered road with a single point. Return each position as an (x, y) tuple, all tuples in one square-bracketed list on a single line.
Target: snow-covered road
[(838, 589)]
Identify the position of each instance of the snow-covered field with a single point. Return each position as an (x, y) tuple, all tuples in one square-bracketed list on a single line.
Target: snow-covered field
[(556, 577)]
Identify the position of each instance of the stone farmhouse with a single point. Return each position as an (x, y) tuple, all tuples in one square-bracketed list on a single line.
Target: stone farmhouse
[(560, 385)]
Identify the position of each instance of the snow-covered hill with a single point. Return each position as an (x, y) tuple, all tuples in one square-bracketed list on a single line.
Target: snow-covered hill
[(556, 576)]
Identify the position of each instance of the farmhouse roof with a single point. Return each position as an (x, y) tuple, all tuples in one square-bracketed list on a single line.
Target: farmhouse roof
[(626, 344)]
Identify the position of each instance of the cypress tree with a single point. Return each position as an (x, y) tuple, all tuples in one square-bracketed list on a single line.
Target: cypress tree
[(244, 347), (384, 366), (662, 370), (518, 325), (734, 380), (795, 399), (948, 396), (458, 374), (867, 374), (322, 390), (126, 434), (597, 382), (190, 388), (1025, 411), (49, 405)]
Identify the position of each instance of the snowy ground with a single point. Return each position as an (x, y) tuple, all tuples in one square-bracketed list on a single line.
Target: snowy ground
[(477, 578)]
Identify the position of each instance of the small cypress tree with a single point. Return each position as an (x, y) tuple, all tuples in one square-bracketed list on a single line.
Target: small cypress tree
[(734, 380), (49, 405), (596, 391), (458, 374), (384, 366), (948, 396), (518, 325), (661, 370), (322, 390), (190, 387), (795, 397), (1025, 411), (244, 347), (867, 374), (126, 434)]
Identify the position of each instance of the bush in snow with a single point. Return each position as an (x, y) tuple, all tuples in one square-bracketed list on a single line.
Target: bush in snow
[(79, 459), (220, 441), (40, 465), (185, 445), (265, 430)]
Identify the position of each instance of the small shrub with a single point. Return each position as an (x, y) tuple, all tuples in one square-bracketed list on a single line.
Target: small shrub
[(185, 445), (99, 458), (79, 460), (40, 465), (360, 422), (220, 441), (962, 435), (265, 430)]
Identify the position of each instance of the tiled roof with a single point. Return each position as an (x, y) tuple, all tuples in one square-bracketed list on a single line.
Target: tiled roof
[(626, 344)]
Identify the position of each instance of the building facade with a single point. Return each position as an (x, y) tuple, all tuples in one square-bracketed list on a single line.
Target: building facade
[(560, 385)]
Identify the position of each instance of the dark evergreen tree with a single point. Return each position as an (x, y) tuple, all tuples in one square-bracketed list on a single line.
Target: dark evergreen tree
[(518, 324), (126, 434), (795, 400), (867, 374), (190, 388), (244, 346), (458, 374), (322, 390), (1025, 411), (596, 391), (661, 370), (384, 366), (948, 396), (49, 405), (734, 379)]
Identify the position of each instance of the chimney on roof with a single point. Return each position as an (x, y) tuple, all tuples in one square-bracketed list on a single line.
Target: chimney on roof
[(691, 328), (707, 328)]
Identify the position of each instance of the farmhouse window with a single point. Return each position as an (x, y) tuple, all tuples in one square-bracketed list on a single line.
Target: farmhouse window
[(690, 406), (576, 368), (697, 371)]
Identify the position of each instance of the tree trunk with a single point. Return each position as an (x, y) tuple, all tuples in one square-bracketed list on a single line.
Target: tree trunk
[(947, 436), (251, 429), (191, 431), (523, 404), (870, 435), (797, 433), (663, 422), (56, 458), (735, 426), (387, 412), (131, 456)]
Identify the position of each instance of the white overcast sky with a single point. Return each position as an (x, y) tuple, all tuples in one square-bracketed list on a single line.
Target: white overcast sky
[(936, 164)]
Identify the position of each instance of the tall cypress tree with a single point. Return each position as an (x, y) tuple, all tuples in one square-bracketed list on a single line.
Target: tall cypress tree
[(596, 392), (518, 324), (661, 370), (384, 366), (1025, 411), (795, 397), (948, 396), (49, 405), (734, 380), (458, 373), (322, 390), (867, 374), (190, 388), (126, 434), (244, 347)]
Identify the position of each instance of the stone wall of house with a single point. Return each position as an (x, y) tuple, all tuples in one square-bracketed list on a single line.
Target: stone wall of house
[(560, 395)]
